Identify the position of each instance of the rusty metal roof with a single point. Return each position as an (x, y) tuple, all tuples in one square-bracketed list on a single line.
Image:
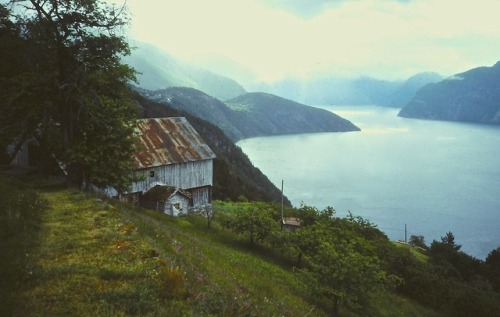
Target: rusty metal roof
[(165, 141), (292, 221)]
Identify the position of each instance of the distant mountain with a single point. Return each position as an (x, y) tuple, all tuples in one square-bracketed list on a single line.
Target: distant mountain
[(333, 90), (199, 104), (158, 70), (407, 90), (253, 114), (472, 96), (265, 114)]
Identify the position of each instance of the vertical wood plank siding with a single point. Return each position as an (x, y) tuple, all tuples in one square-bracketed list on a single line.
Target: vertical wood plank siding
[(201, 196), (183, 175)]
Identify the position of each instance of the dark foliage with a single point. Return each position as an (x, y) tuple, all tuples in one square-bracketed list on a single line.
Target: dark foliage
[(20, 214), (63, 85), (451, 281)]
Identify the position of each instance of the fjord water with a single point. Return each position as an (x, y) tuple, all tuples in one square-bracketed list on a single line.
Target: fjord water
[(433, 176)]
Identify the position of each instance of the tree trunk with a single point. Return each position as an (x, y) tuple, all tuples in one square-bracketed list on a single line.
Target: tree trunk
[(336, 307)]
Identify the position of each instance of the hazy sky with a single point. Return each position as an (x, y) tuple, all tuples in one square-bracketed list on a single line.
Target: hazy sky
[(274, 38)]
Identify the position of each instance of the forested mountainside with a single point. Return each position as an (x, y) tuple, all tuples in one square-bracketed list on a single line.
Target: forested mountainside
[(198, 104), (266, 114), (234, 174), (253, 114), (408, 89), (472, 96), (159, 70)]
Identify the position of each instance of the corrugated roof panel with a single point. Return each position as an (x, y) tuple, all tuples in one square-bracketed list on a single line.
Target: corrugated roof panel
[(165, 141)]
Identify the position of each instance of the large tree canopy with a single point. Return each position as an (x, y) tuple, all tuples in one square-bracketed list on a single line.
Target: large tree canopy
[(64, 85)]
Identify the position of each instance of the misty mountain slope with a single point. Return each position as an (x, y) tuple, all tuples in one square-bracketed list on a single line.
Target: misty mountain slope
[(265, 114), (472, 96), (199, 104), (333, 90), (158, 70), (408, 89)]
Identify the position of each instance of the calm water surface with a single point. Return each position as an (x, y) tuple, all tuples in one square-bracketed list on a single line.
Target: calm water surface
[(432, 176)]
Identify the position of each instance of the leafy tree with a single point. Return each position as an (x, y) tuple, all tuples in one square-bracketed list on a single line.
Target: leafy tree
[(474, 299), (459, 264), (493, 268), (257, 223), (16, 118), (343, 269), (365, 227), (71, 92), (493, 258), (418, 241), (309, 214)]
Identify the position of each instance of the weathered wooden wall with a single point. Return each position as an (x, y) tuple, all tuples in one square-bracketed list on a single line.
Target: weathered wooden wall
[(183, 175), (171, 208), (201, 196)]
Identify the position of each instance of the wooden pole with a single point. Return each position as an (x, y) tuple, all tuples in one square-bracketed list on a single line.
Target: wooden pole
[(282, 219), (406, 234)]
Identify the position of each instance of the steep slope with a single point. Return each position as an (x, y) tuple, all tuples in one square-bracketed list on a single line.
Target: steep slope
[(234, 174), (265, 114), (158, 70), (403, 95), (199, 104), (472, 96), (253, 114)]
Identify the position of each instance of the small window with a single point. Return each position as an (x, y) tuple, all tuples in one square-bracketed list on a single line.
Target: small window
[(151, 173)]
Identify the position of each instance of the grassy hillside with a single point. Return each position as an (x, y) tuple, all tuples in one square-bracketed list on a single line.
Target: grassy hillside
[(87, 256), (92, 257)]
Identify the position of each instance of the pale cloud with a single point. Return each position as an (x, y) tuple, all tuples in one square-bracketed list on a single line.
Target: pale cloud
[(386, 39)]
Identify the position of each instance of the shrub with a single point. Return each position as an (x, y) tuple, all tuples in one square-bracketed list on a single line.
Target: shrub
[(20, 210)]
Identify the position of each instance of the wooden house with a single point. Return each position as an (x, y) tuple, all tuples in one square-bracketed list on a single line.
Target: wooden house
[(174, 166)]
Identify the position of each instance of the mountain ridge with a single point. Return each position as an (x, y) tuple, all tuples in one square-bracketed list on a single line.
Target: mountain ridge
[(409, 88), (252, 114), (471, 96), (299, 118)]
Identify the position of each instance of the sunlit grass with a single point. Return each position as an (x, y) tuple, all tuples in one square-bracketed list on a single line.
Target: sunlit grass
[(90, 261), (418, 253), (391, 305)]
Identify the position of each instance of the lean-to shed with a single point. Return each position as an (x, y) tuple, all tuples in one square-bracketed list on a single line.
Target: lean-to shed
[(172, 154)]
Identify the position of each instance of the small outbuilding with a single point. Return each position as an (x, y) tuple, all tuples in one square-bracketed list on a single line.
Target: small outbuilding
[(291, 223)]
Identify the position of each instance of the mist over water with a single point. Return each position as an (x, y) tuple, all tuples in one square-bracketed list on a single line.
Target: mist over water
[(432, 176)]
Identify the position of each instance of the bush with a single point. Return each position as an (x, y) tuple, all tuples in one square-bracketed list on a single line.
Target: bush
[(20, 215), (20, 210)]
